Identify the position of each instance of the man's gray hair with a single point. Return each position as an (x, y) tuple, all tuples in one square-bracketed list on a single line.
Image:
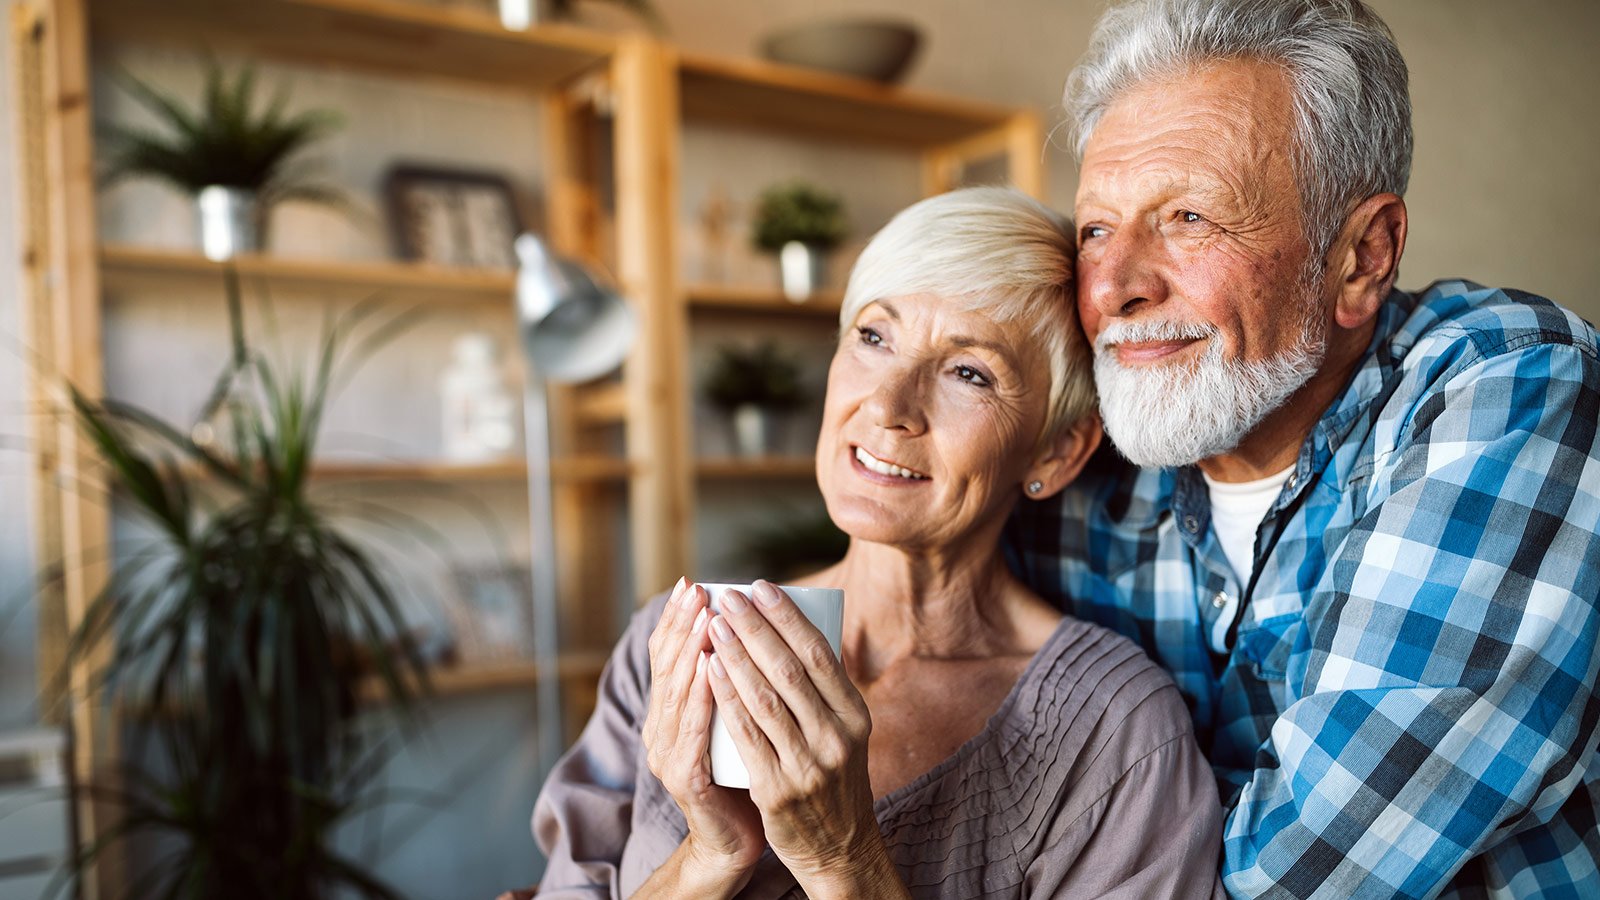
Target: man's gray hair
[(1352, 104)]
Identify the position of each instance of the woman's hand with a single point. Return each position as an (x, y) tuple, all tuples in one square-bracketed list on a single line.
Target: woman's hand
[(801, 728), (725, 837)]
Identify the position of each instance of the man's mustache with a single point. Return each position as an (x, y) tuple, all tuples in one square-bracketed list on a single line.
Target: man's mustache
[(1148, 331)]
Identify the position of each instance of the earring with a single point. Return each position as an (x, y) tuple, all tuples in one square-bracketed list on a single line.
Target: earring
[(1035, 487)]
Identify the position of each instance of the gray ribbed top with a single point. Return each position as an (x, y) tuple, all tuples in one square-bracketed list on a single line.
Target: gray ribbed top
[(1086, 782)]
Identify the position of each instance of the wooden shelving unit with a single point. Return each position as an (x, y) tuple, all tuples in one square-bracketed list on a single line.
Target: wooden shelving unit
[(589, 470), (651, 92)]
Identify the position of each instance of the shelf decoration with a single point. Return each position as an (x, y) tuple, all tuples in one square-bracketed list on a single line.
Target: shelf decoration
[(479, 414), (800, 223), (452, 217), (490, 609), (754, 388), (236, 163)]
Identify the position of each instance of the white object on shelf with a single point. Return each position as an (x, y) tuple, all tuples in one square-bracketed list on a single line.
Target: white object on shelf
[(480, 410)]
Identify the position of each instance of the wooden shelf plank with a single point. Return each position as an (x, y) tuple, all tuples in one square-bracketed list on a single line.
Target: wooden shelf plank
[(125, 266), (766, 301), (569, 470), (477, 678), (735, 468), (392, 36), (794, 100)]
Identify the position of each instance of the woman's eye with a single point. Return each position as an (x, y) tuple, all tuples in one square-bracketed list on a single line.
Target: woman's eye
[(1185, 215), (869, 336), (971, 376)]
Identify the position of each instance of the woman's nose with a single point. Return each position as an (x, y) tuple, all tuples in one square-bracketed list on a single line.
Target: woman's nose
[(897, 402), (1123, 276)]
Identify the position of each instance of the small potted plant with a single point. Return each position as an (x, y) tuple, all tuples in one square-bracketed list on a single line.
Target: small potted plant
[(235, 161), (754, 387), (800, 223)]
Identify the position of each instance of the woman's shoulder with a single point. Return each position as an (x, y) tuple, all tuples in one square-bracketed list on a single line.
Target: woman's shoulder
[(1092, 680)]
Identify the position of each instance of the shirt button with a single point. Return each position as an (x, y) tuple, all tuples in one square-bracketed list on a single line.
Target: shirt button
[(1293, 480), (1190, 523), (1220, 600)]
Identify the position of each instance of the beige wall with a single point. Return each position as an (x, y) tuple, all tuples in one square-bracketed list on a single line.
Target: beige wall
[(1506, 182)]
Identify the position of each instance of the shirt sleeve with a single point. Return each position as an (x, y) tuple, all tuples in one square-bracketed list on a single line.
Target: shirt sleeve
[(1151, 828), (1448, 699), (583, 817)]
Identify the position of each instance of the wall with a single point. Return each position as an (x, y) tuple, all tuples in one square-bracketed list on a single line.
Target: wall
[(1506, 173)]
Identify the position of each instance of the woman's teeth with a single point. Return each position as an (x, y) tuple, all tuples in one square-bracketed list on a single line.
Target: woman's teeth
[(883, 468)]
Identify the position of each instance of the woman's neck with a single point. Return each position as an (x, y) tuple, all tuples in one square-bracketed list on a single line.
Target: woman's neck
[(901, 605)]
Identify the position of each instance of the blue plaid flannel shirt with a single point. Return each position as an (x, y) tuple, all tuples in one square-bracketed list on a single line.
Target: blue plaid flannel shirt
[(1409, 706)]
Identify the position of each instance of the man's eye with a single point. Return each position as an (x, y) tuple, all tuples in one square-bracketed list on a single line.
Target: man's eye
[(1091, 231), (971, 376), (1185, 215), (869, 336)]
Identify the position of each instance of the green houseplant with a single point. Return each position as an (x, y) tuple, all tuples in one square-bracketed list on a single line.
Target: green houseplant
[(235, 160), (801, 223), (754, 386), (240, 635)]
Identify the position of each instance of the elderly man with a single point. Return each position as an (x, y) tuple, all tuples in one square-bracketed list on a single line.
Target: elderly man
[(1359, 525)]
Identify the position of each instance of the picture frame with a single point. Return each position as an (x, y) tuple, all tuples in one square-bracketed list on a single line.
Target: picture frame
[(490, 611), (452, 217)]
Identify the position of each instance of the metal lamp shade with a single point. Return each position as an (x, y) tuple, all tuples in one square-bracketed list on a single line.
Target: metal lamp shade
[(573, 330)]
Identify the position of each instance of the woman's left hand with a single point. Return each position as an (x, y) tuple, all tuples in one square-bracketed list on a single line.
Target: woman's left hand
[(801, 728)]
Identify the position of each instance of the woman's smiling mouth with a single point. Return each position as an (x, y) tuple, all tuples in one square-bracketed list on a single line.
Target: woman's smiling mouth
[(867, 463)]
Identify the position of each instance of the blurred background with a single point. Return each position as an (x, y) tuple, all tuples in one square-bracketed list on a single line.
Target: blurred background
[(715, 164)]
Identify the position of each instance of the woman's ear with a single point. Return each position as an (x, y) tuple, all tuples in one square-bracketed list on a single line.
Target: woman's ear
[(1060, 461)]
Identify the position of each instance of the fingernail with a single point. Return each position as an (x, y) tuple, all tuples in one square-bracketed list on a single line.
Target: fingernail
[(732, 601), (720, 626), (699, 665), (766, 593), (699, 622), (716, 666), (687, 598)]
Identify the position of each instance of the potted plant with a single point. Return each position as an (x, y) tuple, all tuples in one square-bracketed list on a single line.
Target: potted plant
[(753, 387), (242, 635), (800, 223), (790, 544), (520, 15), (235, 161)]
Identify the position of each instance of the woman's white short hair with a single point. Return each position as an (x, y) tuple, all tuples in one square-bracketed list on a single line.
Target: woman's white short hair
[(1352, 103), (997, 250)]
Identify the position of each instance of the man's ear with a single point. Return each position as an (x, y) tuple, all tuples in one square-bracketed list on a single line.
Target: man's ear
[(1366, 258), (1060, 461)]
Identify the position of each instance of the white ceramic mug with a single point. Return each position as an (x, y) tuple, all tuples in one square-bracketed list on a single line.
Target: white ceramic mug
[(825, 608)]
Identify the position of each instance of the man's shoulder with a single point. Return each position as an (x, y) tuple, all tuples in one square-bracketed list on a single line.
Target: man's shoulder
[(1464, 321)]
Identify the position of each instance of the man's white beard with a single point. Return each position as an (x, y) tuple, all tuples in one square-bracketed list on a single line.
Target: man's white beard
[(1179, 414)]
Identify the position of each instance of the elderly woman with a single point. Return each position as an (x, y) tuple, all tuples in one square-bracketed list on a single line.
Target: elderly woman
[(973, 742)]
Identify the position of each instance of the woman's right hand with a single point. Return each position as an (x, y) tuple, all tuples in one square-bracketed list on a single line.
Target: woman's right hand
[(725, 835)]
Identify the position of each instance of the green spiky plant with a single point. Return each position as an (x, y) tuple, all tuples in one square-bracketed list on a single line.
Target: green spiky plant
[(225, 142), (242, 634), (798, 211)]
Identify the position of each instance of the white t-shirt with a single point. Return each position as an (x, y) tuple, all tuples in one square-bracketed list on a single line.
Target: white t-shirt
[(1237, 509)]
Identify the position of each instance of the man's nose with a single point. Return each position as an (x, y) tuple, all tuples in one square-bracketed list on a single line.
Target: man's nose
[(1124, 275)]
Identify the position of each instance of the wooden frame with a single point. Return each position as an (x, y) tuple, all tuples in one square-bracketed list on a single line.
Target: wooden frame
[(639, 87)]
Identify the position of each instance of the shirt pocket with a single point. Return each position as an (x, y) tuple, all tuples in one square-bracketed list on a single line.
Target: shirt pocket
[(1267, 648)]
